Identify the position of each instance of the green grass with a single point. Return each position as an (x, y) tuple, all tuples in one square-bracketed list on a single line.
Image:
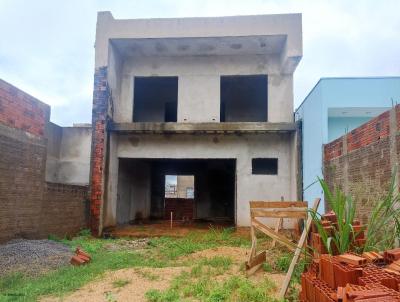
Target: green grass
[(234, 288), (162, 252), (120, 283), (148, 275), (206, 279)]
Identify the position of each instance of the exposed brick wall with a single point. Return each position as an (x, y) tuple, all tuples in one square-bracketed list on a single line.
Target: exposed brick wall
[(333, 149), (360, 163), (101, 95), (64, 203), (22, 164), (19, 110), (30, 207), (181, 207)]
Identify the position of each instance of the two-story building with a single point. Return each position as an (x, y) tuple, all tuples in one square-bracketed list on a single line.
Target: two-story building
[(206, 97)]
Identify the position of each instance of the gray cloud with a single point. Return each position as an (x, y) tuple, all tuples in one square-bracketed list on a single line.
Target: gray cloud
[(47, 46)]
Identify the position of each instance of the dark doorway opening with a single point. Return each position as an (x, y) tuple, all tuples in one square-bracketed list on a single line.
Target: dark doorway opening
[(244, 98), (142, 192), (155, 99)]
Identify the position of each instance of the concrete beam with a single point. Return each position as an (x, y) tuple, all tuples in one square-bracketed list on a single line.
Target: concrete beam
[(238, 127)]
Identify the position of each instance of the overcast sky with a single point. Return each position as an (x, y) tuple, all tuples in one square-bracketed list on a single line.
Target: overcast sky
[(46, 46)]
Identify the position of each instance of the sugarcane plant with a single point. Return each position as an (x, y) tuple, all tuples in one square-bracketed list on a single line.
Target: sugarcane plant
[(341, 238), (382, 229)]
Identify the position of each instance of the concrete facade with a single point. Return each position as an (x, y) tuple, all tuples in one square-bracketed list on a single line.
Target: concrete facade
[(334, 107), (198, 52), (68, 154)]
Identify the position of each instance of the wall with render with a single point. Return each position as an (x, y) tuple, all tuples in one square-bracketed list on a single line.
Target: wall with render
[(68, 156), (199, 84), (361, 163), (242, 148)]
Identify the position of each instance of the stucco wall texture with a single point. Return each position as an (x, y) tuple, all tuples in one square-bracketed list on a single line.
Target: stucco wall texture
[(362, 162), (198, 51)]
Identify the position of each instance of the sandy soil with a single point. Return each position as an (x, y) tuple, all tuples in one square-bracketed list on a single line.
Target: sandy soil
[(139, 283), (143, 279)]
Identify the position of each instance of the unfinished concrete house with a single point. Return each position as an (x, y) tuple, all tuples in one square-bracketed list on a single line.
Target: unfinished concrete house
[(209, 98)]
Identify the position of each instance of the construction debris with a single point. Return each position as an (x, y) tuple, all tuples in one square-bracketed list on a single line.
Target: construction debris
[(80, 257), (350, 277)]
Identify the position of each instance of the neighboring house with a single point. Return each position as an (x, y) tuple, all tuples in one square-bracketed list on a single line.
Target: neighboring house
[(207, 97), (334, 107)]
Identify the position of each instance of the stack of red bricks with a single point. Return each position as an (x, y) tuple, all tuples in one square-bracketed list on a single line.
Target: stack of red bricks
[(80, 257), (350, 277), (329, 223)]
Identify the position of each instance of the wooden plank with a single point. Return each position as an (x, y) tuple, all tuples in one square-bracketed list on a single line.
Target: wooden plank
[(270, 232), (253, 243), (279, 213), (278, 225), (259, 258), (252, 270), (277, 204), (297, 252)]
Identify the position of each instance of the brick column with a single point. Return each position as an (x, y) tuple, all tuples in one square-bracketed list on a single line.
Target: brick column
[(101, 95)]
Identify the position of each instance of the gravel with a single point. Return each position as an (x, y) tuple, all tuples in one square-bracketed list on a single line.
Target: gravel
[(128, 244), (33, 257)]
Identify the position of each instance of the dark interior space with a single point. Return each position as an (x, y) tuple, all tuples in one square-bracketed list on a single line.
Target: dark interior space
[(155, 99), (264, 166), (141, 190), (244, 98)]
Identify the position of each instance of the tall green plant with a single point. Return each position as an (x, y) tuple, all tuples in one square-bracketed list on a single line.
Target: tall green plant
[(343, 206), (383, 226)]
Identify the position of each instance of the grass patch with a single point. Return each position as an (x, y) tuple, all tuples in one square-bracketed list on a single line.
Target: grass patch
[(162, 252), (235, 288), (148, 275), (120, 283)]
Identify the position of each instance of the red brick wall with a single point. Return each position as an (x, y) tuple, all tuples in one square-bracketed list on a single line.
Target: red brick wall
[(30, 207), (19, 110), (368, 133), (180, 207), (101, 97), (360, 163), (22, 167), (64, 210)]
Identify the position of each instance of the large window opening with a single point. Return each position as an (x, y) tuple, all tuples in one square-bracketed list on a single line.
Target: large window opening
[(179, 186), (264, 166), (155, 99), (244, 98)]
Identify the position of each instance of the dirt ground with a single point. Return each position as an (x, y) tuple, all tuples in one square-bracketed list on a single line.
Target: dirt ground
[(163, 228), (135, 282)]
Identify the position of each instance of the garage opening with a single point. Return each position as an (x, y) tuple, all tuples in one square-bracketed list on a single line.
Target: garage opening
[(155, 99), (244, 98), (194, 190)]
